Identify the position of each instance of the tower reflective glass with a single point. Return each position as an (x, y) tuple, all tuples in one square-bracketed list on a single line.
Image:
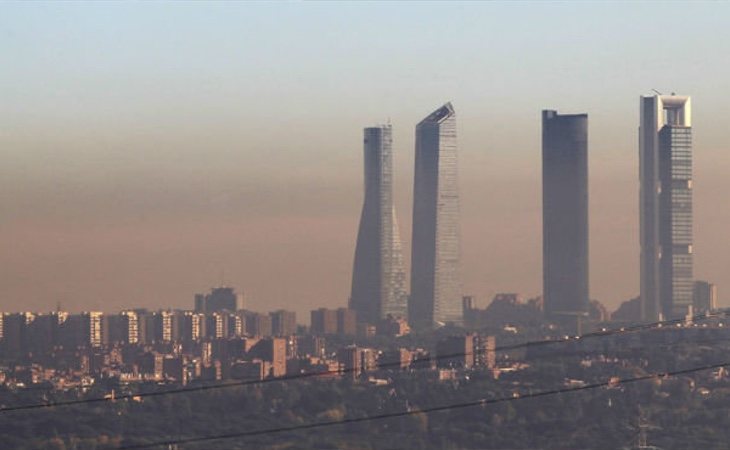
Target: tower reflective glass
[(378, 275), (435, 258), (565, 217), (665, 165)]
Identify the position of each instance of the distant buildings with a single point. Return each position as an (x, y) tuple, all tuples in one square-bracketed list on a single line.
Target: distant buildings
[(565, 217), (341, 321), (273, 351), (466, 351), (122, 328), (346, 322), (355, 360), (89, 329), (378, 275), (704, 297), (219, 299), (597, 312), (665, 164), (393, 326), (456, 351), (258, 324), (166, 326), (435, 258), (505, 309), (283, 323), (323, 321), (628, 311)]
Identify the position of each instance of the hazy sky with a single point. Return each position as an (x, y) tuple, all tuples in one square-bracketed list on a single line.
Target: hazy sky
[(151, 150)]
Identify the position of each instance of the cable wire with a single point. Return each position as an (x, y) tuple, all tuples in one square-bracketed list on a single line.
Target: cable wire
[(613, 382), (529, 344)]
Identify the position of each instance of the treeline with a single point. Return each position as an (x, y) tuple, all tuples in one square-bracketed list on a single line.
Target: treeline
[(680, 412)]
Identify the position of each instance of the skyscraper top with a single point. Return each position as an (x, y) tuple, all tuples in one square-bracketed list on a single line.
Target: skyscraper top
[(379, 126), (551, 113), (440, 114), (678, 110)]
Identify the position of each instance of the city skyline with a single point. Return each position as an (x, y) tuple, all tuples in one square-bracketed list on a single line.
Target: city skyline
[(439, 224), (386, 143), (141, 163)]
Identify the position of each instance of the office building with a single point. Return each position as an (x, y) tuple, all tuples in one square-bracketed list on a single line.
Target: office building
[(194, 327), (16, 334), (378, 274), (346, 322), (122, 328), (258, 324), (665, 165), (219, 299), (565, 217), (90, 329), (435, 297), (323, 321), (273, 351), (283, 323)]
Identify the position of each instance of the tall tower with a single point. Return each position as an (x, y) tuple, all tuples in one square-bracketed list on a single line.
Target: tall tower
[(435, 279), (378, 275), (565, 216), (665, 166)]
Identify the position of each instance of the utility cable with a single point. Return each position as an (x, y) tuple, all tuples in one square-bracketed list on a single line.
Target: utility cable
[(612, 382), (415, 364)]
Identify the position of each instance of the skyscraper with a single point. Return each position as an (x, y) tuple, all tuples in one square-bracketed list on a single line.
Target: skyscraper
[(565, 216), (220, 299), (378, 275), (665, 166), (435, 279)]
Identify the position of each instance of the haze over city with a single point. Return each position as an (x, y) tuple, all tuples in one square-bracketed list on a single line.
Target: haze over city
[(150, 152)]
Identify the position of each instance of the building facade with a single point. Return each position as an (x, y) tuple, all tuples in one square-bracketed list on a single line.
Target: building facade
[(378, 275), (323, 321), (435, 297), (283, 323), (219, 299), (665, 166), (704, 297), (565, 217)]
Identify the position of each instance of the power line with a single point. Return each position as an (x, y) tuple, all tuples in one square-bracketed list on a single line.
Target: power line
[(596, 334), (481, 402)]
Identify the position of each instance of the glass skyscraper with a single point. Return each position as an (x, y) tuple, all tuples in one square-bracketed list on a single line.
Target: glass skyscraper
[(378, 275), (665, 165), (565, 217), (435, 274)]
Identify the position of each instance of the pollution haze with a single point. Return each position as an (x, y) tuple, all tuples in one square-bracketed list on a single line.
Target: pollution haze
[(151, 151)]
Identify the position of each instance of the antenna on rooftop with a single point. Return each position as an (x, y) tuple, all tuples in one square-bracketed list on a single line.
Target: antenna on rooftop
[(659, 93)]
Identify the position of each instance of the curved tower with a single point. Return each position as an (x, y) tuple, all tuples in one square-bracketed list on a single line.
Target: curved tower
[(378, 275), (435, 274)]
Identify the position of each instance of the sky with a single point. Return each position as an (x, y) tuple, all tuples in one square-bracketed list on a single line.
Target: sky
[(149, 151)]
